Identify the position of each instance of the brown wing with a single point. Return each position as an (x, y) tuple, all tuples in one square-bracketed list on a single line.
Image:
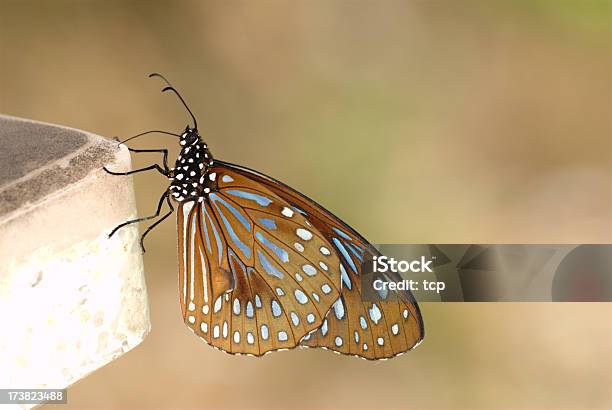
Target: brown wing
[(252, 274), (372, 330)]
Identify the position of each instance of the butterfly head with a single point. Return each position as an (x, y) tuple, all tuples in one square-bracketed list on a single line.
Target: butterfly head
[(190, 137)]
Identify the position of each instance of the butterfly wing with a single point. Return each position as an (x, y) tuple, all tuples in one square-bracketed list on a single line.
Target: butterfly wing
[(373, 330), (254, 274)]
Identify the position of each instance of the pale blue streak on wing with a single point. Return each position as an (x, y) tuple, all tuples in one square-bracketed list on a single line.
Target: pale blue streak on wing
[(345, 277), (260, 199), (237, 262), (241, 218), (205, 223), (271, 269), (217, 237), (228, 226), (280, 252), (300, 210), (342, 234), (383, 293), (356, 251), (268, 223), (344, 253)]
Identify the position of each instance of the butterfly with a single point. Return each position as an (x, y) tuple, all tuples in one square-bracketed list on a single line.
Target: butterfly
[(262, 267)]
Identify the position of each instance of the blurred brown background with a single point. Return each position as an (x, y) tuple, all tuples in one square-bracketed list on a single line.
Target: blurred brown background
[(414, 121)]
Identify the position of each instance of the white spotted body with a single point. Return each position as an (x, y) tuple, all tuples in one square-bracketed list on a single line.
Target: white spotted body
[(190, 179)]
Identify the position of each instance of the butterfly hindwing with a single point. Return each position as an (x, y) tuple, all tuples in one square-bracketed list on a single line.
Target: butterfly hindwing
[(370, 329), (376, 329)]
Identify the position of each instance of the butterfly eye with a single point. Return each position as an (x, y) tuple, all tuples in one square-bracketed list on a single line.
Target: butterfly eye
[(191, 137)]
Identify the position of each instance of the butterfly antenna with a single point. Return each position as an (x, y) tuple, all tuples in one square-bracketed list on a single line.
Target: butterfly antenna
[(171, 88), (148, 132)]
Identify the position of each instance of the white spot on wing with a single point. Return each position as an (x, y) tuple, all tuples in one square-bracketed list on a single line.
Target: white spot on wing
[(324, 327), (309, 270), (264, 332), (339, 309), (276, 309), (304, 234), (375, 314), (295, 319), (217, 306), (301, 297)]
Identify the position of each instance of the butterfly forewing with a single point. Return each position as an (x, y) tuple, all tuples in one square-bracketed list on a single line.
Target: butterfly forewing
[(372, 330), (256, 276)]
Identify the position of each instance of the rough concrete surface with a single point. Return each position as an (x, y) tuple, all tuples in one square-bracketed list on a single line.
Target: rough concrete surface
[(71, 299)]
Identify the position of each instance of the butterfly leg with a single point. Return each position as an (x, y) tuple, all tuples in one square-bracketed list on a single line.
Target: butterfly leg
[(146, 218), (154, 166), (162, 150), (156, 223)]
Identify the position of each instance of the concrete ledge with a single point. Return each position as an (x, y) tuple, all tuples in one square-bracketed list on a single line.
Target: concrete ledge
[(71, 300)]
